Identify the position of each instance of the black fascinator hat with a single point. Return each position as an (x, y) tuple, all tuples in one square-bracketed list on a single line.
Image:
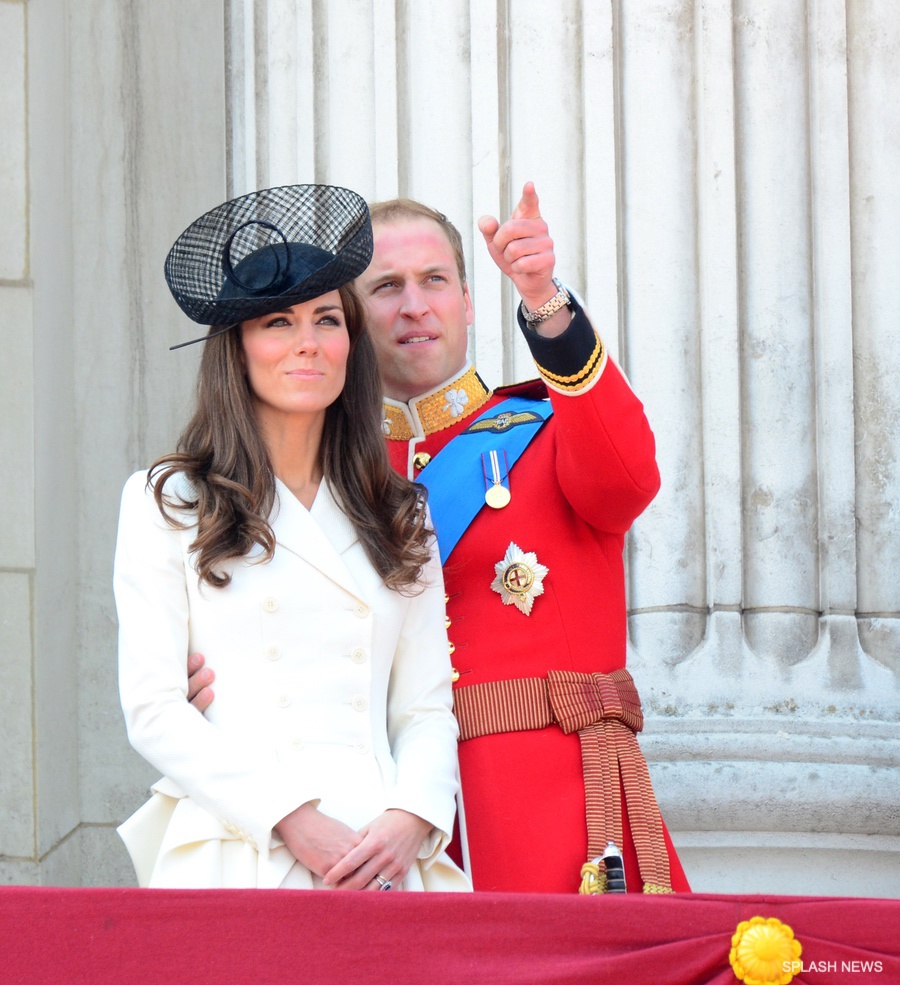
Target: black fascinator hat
[(266, 251)]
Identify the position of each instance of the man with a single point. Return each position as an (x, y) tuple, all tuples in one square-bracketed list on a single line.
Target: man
[(531, 500)]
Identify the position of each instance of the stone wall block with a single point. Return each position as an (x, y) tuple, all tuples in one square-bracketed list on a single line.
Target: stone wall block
[(783, 862), (62, 865), (151, 118), (17, 794), (17, 431), (104, 858), (13, 187), (56, 486), (19, 872), (744, 794)]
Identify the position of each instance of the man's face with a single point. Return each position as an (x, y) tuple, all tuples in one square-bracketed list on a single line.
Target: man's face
[(419, 310)]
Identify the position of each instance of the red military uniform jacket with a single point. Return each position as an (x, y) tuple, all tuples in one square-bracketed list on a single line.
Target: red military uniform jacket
[(575, 491)]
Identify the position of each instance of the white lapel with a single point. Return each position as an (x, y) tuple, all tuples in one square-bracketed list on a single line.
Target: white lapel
[(320, 535)]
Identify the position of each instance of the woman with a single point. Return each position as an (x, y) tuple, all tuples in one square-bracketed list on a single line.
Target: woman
[(278, 540)]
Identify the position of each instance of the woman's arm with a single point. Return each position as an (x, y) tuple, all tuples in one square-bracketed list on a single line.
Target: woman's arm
[(422, 730), (423, 736), (244, 788)]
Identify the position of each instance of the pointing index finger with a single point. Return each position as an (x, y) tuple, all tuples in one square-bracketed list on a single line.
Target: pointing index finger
[(529, 206)]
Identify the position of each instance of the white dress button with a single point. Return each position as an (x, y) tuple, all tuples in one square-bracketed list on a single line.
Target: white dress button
[(270, 605), (362, 748), (284, 700), (359, 703), (361, 610), (273, 653), (358, 655)]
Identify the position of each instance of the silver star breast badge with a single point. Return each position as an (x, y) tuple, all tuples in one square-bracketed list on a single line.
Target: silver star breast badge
[(519, 578)]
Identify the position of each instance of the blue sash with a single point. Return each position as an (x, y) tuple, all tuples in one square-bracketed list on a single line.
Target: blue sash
[(455, 477)]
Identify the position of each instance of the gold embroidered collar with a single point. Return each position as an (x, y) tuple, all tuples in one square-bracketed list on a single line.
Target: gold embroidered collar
[(437, 409)]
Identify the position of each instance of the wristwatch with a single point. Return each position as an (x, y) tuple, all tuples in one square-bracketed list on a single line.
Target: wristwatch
[(549, 308)]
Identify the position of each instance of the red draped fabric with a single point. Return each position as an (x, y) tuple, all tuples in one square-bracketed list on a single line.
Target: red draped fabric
[(201, 937)]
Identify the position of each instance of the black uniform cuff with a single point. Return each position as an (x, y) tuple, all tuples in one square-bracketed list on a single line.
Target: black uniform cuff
[(571, 360)]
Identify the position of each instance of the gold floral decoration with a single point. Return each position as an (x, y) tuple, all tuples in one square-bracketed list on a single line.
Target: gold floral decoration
[(764, 951)]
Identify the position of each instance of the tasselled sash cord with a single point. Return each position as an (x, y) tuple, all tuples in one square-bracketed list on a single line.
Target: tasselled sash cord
[(605, 711)]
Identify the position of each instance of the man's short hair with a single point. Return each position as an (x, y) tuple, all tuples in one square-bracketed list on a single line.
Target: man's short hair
[(399, 209)]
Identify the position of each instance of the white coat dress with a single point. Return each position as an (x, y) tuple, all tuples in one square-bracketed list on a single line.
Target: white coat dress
[(330, 687)]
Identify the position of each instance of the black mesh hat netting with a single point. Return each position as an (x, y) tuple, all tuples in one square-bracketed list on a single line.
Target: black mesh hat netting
[(283, 231)]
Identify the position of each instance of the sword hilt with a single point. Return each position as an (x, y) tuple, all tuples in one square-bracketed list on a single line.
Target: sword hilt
[(615, 869)]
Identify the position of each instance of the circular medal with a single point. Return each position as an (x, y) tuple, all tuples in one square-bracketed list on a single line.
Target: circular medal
[(497, 497), (518, 578)]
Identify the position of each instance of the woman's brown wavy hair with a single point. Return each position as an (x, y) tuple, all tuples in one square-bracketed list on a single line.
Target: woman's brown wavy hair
[(222, 453)]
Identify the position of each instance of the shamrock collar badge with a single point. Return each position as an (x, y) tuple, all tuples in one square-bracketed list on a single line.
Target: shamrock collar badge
[(456, 402), (519, 578)]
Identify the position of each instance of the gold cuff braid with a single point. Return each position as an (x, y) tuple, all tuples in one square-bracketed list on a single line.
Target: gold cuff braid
[(577, 381)]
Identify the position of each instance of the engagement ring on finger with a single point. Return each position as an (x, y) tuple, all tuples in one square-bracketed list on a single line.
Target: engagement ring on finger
[(383, 884)]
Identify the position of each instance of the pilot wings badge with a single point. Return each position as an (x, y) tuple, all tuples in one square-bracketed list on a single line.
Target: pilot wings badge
[(504, 421), (519, 578)]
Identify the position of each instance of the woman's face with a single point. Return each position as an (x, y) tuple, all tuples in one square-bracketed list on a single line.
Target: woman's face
[(296, 359)]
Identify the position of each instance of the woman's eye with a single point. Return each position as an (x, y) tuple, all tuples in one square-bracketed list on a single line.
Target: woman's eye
[(276, 323), (329, 321)]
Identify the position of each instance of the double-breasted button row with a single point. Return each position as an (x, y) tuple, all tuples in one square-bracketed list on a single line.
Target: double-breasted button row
[(451, 646), (358, 654), (360, 608)]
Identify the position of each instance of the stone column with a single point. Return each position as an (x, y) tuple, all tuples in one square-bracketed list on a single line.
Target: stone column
[(776, 729)]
